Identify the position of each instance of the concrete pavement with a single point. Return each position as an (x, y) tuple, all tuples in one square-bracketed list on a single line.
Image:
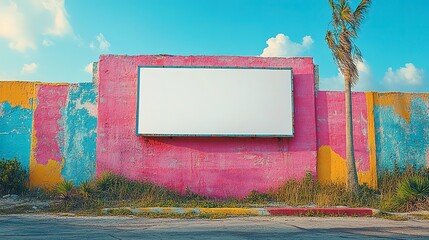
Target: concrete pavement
[(262, 227)]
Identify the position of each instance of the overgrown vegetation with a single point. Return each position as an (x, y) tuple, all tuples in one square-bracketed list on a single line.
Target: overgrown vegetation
[(399, 190), (117, 191), (13, 178), (404, 189), (310, 192)]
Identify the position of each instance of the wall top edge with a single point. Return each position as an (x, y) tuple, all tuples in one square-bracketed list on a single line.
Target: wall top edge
[(43, 83), (387, 92), (201, 56)]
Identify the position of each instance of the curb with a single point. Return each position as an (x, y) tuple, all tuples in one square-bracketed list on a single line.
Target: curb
[(362, 212)]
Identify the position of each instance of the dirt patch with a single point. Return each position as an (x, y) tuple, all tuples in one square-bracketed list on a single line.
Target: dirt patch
[(18, 204)]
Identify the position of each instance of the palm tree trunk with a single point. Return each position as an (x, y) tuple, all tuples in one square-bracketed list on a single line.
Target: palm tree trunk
[(352, 179)]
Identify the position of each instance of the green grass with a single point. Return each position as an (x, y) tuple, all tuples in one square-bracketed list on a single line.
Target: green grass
[(389, 216), (399, 190), (397, 193), (187, 215), (117, 191), (310, 192), (420, 216)]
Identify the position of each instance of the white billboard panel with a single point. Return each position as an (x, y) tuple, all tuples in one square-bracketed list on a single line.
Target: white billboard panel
[(206, 101)]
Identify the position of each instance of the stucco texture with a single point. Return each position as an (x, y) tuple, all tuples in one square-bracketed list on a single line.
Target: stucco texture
[(402, 130), (16, 114), (331, 124), (215, 166), (64, 134), (77, 131)]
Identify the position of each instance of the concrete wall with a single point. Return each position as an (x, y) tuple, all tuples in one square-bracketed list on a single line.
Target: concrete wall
[(50, 129), (391, 130), (214, 166), (16, 115), (402, 130), (331, 125), (75, 131)]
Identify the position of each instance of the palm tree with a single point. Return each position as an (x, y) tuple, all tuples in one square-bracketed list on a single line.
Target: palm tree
[(344, 27)]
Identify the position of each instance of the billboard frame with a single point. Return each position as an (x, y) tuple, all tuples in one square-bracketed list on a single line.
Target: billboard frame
[(216, 135)]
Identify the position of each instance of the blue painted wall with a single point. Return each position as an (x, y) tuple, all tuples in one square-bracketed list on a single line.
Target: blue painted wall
[(80, 132), (15, 133), (402, 130)]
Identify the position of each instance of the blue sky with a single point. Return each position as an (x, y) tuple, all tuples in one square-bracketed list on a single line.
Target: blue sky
[(55, 40)]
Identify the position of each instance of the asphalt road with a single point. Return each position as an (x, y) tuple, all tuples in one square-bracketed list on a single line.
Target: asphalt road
[(57, 227)]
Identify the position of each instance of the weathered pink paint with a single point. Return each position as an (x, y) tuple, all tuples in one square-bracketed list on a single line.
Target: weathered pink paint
[(214, 166), (50, 102), (331, 125)]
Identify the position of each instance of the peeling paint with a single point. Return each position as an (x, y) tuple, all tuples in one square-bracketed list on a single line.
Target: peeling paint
[(331, 164), (17, 94), (63, 133), (402, 132), (80, 134), (73, 131), (48, 128), (16, 121), (399, 102)]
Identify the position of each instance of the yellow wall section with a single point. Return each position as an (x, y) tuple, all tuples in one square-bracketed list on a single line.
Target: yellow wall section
[(17, 93), (371, 140), (331, 167), (46, 176)]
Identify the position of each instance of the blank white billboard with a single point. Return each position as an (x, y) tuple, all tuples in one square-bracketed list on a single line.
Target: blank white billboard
[(207, 101)]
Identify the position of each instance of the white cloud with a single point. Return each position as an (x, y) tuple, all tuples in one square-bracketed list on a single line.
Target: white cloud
[(13, 27), (408, 76), (282, 46), (47, 43), (29, 68), (60, 25), (89, 68), (365, 82), (22, 22), (92, 45), (103, 44)]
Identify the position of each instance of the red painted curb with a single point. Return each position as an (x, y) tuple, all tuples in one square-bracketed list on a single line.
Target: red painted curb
[(322, 211)]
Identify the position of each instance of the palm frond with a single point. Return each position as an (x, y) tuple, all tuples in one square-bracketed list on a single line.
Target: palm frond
[(341, 38), (335, 15), (360, 12), (330, 40), (346, 15), (357, 54)]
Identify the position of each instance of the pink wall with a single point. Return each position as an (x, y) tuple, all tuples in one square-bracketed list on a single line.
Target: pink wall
[(47, 141), (218, 167), (330, 112), (51, 101), (331, 120)]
